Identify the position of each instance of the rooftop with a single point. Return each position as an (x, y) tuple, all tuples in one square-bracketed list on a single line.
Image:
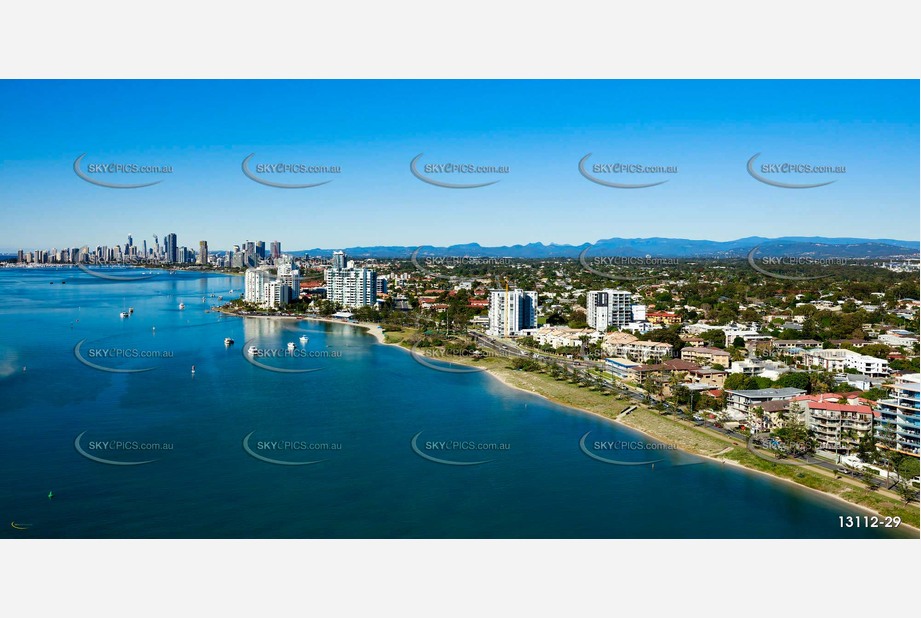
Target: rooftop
[(769, 392)]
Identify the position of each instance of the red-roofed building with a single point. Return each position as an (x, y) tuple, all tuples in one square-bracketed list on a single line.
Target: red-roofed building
[(837, 421), (662, 317)]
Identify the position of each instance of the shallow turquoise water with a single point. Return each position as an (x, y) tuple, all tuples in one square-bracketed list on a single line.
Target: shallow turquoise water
[(371, 400)]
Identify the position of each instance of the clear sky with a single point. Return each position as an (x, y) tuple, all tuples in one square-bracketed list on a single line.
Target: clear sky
[(373, 129)]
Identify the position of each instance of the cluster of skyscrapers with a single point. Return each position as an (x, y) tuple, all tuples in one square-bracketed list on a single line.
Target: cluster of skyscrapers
[(346, 284), (249, 255)]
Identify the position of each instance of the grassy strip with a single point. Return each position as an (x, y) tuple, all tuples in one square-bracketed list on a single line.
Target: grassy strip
[(669, 431), (809, 478)]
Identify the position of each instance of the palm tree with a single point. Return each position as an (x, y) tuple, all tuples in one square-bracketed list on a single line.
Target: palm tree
[(648, 386), (674, 379)]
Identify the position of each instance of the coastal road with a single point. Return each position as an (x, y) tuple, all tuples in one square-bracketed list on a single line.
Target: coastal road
[(581, 367)]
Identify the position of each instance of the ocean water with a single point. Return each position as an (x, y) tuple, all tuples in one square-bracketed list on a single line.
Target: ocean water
[(357, 403)]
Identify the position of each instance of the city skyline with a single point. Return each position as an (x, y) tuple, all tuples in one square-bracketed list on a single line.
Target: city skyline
[(372, 131)]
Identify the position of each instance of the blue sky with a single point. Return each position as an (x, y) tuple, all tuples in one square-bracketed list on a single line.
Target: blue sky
[(372, 129)]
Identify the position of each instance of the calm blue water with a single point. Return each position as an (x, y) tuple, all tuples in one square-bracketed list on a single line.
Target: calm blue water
[(370, 401)]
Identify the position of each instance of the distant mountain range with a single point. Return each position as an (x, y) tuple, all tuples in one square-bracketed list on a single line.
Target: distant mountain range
[(814, 246)]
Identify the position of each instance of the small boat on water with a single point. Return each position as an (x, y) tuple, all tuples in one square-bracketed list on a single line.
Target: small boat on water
[(124, 314), (228, 341), (220, 298), (181, 306), (292, 345), (130, 310), (253, 351), (304, 338)]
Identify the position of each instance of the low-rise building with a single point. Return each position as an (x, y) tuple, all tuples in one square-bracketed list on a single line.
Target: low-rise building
[(708, 376), (837, 422), (759, 368), (837, 360), (706, 356), (660, 371), (743, 401), (620, 367), (786, 344)]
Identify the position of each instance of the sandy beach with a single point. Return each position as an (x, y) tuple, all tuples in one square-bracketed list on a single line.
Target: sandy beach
[(726, 445), (373, 329)]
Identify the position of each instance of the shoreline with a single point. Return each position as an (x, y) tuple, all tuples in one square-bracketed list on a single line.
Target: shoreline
[(713, 458), (371, 328), (377, 332)]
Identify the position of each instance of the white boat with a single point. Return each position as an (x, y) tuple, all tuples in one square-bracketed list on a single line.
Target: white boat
[(228, 341), (181, 306), (124, 314), (292, 345), (130, 310), (253, 351), (304, 339)]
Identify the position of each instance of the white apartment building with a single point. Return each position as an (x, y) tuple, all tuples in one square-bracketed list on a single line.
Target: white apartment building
[(291, 277), (254, 284), (351, 287), (837, 423), (627, 346), (899, 426), (562, 336), (606, 308), (760, 368), (276, 294), (838, 360), (511, 312)]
